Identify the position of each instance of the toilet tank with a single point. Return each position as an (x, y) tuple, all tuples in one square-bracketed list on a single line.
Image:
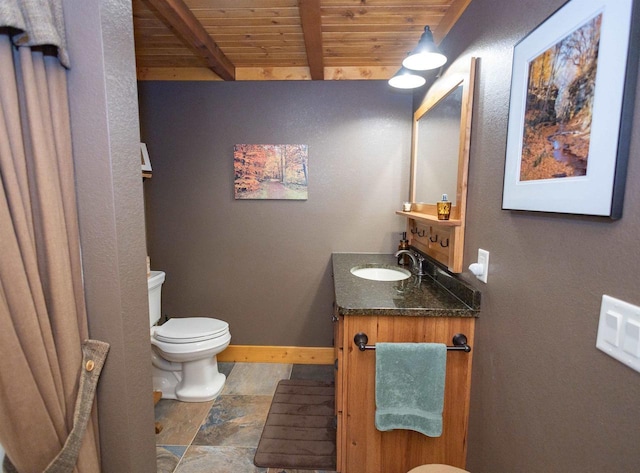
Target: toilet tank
[(155, 281)]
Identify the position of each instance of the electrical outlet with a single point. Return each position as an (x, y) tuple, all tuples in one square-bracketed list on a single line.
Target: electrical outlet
[(483, 259)]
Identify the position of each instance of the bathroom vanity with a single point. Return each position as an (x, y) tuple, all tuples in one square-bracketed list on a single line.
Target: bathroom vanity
[(430, 308), (434, 308)]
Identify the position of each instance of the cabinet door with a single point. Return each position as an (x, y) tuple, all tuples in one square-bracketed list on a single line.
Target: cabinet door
[(362, 440), (368, 450)]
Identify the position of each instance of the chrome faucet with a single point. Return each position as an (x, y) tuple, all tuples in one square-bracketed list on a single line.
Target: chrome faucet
[(416, 261)]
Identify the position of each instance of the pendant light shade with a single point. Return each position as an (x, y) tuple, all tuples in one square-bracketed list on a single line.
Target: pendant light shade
[(406, 79), (426, 55)]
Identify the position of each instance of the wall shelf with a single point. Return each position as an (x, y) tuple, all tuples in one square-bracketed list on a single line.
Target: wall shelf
[(431, 219)]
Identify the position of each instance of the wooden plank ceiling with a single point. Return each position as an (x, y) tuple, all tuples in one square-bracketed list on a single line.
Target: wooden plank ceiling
[(282, 39)]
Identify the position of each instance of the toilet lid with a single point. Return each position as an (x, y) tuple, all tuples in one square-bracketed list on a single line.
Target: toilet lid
[(190, 329)]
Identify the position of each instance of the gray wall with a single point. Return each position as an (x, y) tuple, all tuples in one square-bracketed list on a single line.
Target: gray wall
[(264, 266), (105, 132), (543, 398)]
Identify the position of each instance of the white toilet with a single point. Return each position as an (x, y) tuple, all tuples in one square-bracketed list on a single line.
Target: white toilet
[(184, 351)]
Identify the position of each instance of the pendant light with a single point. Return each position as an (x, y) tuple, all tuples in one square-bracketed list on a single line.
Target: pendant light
[(406, 79), (426, 55)]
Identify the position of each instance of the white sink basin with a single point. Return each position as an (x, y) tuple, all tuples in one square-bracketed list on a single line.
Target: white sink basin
[(380, 273)]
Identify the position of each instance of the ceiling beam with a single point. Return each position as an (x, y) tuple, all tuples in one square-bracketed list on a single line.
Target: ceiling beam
[(176, 14), (449, 19), (312, 31)]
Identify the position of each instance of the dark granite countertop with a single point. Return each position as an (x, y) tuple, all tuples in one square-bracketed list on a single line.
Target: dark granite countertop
[(439, 294)]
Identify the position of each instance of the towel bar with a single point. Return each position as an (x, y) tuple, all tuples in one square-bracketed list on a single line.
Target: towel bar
[(459, 342)]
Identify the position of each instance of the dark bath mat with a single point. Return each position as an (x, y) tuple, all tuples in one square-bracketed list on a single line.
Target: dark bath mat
[(299, 432)]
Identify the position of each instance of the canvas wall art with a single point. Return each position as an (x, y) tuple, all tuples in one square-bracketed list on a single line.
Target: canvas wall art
[(271, 171)]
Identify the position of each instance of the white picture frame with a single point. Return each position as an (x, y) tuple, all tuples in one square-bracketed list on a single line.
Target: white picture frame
[(600, 190)]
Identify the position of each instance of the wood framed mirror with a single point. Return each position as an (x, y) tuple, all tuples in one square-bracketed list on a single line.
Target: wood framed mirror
[(440, 163)]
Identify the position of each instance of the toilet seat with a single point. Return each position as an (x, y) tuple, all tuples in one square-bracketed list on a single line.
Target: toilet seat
[(190, 330)]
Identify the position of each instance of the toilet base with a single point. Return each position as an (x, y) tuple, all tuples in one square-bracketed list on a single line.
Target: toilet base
[(192, 381), (207, 392), (166, 382)]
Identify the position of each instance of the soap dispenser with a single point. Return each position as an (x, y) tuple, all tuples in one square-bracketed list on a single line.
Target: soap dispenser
[(404, 258), (444, 208)]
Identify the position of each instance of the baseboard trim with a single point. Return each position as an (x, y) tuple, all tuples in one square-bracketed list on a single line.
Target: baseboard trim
[(274, 354)]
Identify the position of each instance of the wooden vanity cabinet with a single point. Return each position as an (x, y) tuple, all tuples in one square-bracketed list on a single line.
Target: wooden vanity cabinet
[(361, 448)]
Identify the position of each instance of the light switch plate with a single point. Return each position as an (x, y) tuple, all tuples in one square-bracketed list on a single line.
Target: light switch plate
[(619, 331)]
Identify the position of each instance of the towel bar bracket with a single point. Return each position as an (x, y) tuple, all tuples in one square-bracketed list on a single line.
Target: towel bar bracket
[(361, 339), (459, 342)]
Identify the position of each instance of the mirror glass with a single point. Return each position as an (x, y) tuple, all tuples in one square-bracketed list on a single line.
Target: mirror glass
[(437, 149), (440, 142)]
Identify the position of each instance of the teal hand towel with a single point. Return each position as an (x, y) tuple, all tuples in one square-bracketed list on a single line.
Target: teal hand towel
[(410, 386)]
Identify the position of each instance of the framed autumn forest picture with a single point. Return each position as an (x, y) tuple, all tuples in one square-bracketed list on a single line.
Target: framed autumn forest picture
[(270, 171), (570, 110)]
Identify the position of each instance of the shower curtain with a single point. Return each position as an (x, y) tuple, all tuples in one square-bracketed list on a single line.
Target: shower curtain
[(43, 324)]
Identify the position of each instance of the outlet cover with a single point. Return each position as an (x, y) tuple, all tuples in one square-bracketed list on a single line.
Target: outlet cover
[(483, 259), (619, 331)]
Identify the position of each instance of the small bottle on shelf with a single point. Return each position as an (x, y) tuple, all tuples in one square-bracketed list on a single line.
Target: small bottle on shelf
[(444, 208)]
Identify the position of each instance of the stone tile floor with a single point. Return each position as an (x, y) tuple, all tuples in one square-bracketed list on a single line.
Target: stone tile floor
[(221, 436)]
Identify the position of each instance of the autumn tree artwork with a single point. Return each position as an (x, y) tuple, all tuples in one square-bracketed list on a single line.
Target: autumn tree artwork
[(270, 171), (559, 106)]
